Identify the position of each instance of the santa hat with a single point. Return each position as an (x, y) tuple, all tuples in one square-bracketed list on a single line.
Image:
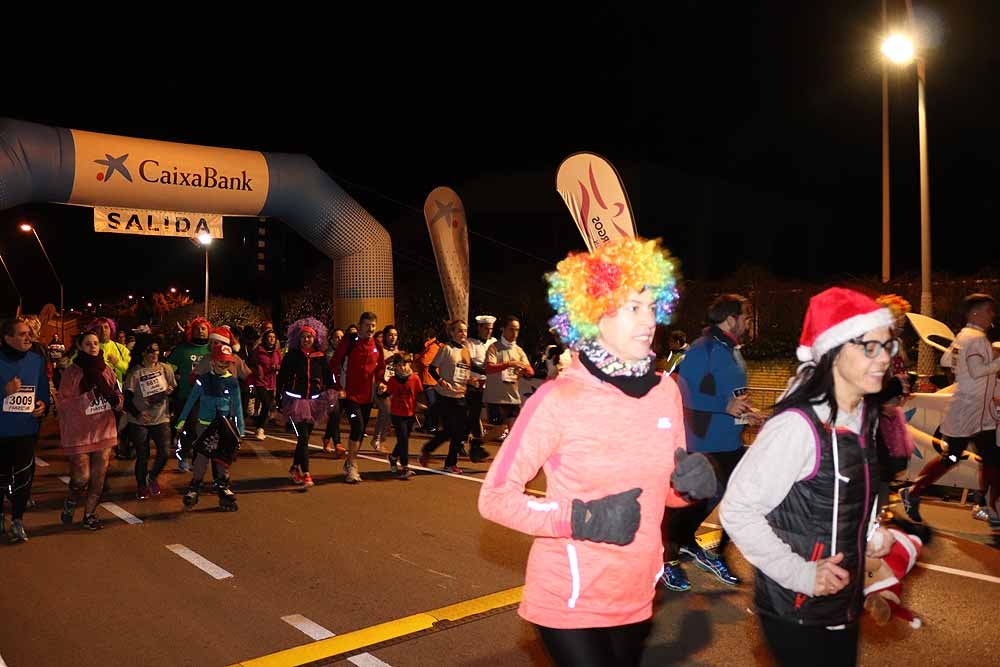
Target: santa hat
[(222, 334), (836, 316), (223, 353)]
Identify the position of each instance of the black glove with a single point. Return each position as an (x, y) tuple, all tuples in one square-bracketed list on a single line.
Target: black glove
[(612, 519), (693, 475)]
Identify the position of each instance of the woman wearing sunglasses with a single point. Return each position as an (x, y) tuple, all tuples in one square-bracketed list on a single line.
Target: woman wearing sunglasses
[(801, 504)]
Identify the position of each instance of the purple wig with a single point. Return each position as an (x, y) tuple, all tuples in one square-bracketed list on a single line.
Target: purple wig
[(295, 331)]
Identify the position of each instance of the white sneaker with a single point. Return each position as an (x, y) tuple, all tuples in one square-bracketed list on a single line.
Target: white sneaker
[(377, 444), (980, 513), (352, 476), (260, 434)]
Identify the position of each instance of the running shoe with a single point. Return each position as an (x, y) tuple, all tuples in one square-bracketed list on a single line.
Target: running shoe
[(154, 486), (338, 451), (142, 492), (69, 507), (296, 474), (377, 444), (327, 445), (405, 473), (454, 470), (352, 476), (674, 578), (393, 464), (478, 455), (260, 434), (17, 532), (425, 458), (980, 513), (711, 562), (307, 480), (911, 505), (91, 522)]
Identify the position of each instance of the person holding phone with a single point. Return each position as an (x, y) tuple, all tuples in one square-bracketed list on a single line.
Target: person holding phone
[(713, 379)]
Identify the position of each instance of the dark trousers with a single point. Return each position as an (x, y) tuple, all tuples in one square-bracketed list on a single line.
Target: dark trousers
[(617, 646), (302, 432), (333, 423), (358, 416), (187, 435), (17, 471), (474, 403), (265, 404), (140, 436), (432, 415), (402, 425), (455, 419), (986, 447), (794, 645), (682, 523)]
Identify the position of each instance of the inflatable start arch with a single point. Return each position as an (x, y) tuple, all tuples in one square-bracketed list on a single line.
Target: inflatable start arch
[(41, 164)]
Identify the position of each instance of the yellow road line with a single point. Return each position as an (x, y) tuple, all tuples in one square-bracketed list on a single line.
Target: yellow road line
[(376, 634)]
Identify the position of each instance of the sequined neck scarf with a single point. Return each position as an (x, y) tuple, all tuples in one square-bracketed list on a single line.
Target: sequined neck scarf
[(611, 365)]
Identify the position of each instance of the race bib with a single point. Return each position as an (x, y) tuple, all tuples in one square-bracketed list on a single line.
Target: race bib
[(152, 383), (509, 375), (22, 401), (390, 371), (97, 406), (461, 374)]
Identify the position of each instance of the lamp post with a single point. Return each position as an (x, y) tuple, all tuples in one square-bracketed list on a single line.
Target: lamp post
[(25, 227), (20, 302), (205, 240), (885, 159), (899, 49)]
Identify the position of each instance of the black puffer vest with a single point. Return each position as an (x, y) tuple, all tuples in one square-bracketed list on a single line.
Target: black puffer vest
[(804, 521)]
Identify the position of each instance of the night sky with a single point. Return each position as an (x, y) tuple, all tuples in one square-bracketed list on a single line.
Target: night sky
[(744, 133)]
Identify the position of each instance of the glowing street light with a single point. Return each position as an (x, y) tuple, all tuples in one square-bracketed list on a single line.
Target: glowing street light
[(898, 48), (205, 239), (27, 228), (173, 290)]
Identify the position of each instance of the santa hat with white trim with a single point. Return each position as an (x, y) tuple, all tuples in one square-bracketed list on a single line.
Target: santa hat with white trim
[(836, 316)]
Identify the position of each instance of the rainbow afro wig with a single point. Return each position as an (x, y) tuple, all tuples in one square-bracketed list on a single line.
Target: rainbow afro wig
[(588, 286)]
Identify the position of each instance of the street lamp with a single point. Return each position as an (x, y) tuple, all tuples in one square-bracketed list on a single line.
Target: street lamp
[(205, 240), (25, 227), (900, 50), (20, 303)]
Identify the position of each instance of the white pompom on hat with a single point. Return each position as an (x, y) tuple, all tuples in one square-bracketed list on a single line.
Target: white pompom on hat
[(834, 317)]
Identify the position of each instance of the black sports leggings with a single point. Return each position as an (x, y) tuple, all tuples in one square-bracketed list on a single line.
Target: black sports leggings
[(617, 646), (17, 471), (140, 435), (302, 432), (358, 416), (793, 645)]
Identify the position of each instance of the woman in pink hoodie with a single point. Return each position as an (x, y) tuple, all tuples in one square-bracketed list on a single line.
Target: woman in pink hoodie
[(89, 400), (609, 434)]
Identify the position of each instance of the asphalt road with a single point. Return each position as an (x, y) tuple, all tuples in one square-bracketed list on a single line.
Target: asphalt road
[(292, 567)]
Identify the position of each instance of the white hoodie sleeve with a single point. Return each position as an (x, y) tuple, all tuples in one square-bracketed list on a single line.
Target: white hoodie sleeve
[(783, 453)]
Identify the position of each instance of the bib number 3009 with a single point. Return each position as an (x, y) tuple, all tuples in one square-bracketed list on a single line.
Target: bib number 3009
[(23, 401)]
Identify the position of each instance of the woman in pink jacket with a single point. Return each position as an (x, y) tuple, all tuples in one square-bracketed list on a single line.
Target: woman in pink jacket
[(609, 434), (89, 400)]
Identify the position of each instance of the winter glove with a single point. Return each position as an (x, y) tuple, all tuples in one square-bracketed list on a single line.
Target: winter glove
[(693, 475), (612, 519)]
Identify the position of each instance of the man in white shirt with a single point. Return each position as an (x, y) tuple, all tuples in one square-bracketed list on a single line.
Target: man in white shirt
[(970, 415), (478, 345)]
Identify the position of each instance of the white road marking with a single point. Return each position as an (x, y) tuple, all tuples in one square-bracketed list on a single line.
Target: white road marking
[(312, 630), (41, 464), (316, 632), (64, 479), (2, 663), (199, 562), (261, 451), (961, 573), (121, 513)]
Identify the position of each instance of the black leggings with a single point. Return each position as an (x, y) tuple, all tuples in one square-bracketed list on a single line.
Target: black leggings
[(265, 404), (793, 645), (682, 523), (455, 415), (140, 436), (617, 646), (358, 416), (302, 432), (402, 449), (17, 471), (333, 423)]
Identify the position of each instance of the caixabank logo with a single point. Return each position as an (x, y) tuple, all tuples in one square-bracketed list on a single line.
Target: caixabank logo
[(150, 171), (114, 165)]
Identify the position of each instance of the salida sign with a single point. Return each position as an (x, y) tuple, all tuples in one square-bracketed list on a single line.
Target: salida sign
[(157, 223)]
